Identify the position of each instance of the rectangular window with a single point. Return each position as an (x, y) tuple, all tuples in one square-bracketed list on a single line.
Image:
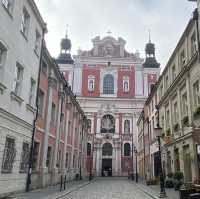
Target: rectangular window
[(182, 58), (193, 44), (24, 157), (173, 72), (66, 160), (184, 105), (25, 23), (196, 94), (37, 42), (53, 113), (18, 79), (166, 82), (35, 155), (8, 155), (48, 161), (3, 52), (40, 101), (32, 92), (44, 67), (9, 5), (175, 113), (167, 118)]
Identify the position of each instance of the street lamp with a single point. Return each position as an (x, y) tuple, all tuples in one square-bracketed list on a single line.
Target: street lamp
[(136, 175), (158, 131)]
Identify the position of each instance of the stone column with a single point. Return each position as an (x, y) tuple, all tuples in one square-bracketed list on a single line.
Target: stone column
[(57, 141), (43, 168), (98, 124), (117, 124)]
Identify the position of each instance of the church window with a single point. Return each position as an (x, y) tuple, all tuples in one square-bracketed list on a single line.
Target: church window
[(127, 149), (127, 126), (125, 84), (91, 81), (108, 84)]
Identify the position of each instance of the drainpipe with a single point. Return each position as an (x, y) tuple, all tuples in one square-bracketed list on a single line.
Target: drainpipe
[(29, 172)]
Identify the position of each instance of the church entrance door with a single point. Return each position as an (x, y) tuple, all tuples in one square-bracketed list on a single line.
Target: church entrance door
[(106, 167)]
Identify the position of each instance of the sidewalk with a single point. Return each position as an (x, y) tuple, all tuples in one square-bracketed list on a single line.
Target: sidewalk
[(154, 190), (52, 192)]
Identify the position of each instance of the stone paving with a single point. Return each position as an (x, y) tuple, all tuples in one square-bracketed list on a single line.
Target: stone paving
[(109, 188)]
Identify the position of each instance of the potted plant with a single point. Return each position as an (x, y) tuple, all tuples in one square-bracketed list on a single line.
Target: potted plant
[(185, 121), (178, 180), (169, 183)]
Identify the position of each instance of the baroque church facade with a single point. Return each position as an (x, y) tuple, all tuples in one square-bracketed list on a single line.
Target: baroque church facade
[(111, 86)]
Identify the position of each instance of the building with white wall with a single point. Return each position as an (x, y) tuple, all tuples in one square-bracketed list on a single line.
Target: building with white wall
[(21, 34)]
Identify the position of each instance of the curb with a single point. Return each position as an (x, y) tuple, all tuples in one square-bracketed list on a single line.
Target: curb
[(59, 196)]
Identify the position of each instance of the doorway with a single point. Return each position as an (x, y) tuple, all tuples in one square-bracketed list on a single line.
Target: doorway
[(106, 167)]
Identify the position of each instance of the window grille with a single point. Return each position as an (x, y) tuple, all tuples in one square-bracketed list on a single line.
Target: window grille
[(108, 84), (24, 157), (8, 156)]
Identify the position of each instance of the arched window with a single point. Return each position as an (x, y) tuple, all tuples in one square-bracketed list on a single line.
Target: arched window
[(89, 125), (91, 80), (89, 149), (127, 126), (107, 149), (127, 149), (108, 124), (108, 84)]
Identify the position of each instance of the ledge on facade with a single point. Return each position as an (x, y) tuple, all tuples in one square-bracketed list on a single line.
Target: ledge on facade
[(2, 88), (30, 108), (16, 98)]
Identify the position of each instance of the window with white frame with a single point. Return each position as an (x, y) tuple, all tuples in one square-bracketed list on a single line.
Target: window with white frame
[(37, 42), (127, 126), (196, 94), (175, 112), (40, 102), (32, 92), (9, 155), (173, 72), (3, 53), (184, 105), (9, 5), (193, 44), (53, 114), (25, 22), (125, 84), (18, 79), (182, 58), (108, 84), (91, 82), (167, 119), (24, 157)]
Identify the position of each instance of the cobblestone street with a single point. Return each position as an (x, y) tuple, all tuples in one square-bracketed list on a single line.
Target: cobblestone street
[(109, 188)]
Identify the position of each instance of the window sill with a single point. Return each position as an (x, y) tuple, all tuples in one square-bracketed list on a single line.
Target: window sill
[(25, 37), (8, 12), (2, 88), (16, 98), (30, 108)]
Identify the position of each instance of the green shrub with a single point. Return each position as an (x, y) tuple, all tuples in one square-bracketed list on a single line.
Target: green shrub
[(170, 175), (197, 112), (185, 121), (169, 183), (176, 127), (178, 176)]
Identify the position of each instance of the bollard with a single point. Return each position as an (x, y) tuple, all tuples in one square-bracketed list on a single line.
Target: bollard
[(61, 182), (65, 179)]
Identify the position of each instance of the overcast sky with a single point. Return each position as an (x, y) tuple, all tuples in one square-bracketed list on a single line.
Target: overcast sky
[(129, 19)]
